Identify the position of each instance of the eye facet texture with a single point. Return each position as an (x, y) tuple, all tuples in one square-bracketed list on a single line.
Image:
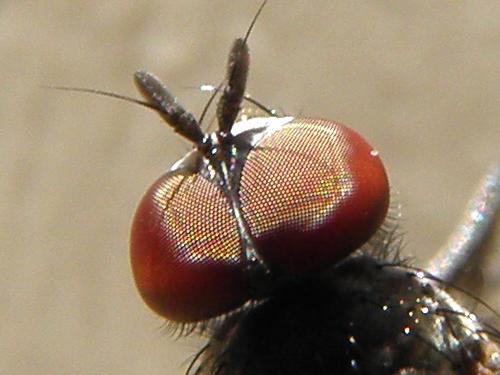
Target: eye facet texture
[(311, 193), (185, 249)]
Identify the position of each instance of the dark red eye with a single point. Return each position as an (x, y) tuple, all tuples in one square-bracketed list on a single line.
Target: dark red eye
[(185, 250), (311, 191)]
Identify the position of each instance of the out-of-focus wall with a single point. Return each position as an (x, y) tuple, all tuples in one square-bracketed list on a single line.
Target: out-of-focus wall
[(420, 79)]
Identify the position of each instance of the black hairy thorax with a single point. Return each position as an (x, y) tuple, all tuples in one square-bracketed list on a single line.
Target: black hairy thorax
[(363, 316)]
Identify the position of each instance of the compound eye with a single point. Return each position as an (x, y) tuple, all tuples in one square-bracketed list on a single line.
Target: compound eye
[(185, 250), (312, 192)]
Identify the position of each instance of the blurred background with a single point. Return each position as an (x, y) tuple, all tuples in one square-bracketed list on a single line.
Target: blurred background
[(419, 79)]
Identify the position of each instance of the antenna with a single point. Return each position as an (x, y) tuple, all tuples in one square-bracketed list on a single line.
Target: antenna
[(158, 98), (229, 103)]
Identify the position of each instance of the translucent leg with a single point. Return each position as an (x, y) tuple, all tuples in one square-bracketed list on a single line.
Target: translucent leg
[(471, 232)]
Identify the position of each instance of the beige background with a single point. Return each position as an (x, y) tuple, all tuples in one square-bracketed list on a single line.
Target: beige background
[(420, 79)]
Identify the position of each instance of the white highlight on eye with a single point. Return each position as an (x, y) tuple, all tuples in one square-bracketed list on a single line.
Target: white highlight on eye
[(424, 310), (407, 330), (269, 124), (385, 307)]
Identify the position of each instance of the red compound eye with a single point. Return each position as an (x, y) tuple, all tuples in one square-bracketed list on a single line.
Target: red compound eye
[(312, 192), (185, 250)]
